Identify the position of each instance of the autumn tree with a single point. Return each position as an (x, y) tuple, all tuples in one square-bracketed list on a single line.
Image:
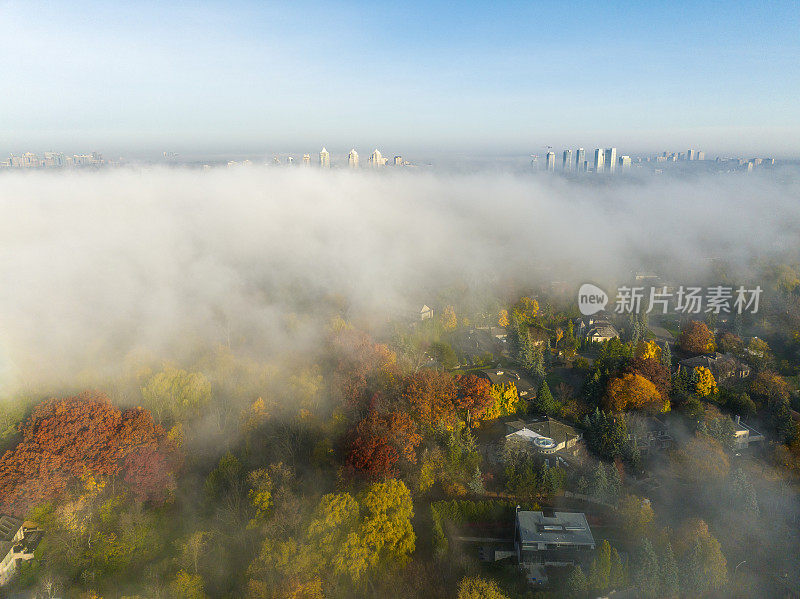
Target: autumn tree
[(704, 382), (449, 320), (430, 396), (175, 394), (64, 439), (381, 442), (654, 371), (502, 319), (633, 391), (696, 338), (473, 587), (474, 397)]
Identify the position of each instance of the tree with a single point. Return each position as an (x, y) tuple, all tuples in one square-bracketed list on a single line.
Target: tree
[(444, 354), (449, 320), (381, 442), (666, 357), (175, 394), (618, 575), (65, 440), (700, 460), (474, 397), (704, 566), (704, 383), (502, 319), (544, 402), (696, 338), (636, 514), (646, 572), (654, 371), (538, 369), (633, 391), (730, 344), (769, 386), (669, 574), (505, 401), (477, 588), (648, 350), (187, 586), (431, 396), (606, 433), (600, 570), (743, 493), (576, 584)]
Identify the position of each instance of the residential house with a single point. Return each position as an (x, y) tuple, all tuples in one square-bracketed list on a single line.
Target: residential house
[(745, 435), (724, 367), (18, 541), (547, 436), (648, 433)]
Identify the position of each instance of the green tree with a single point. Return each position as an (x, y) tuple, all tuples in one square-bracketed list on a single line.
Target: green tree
[(545, 403), (174, 394), (645, 569), (600, 570), (576, 584), (187, 586), (669, 574), (618, 575)]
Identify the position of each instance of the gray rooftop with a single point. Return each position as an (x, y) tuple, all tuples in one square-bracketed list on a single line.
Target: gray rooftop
[(563, 528)]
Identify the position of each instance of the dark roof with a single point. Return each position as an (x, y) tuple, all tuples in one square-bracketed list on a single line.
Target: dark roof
[(562, 528)]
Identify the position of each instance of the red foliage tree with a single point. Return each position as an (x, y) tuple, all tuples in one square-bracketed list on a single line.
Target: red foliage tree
[(380, 442), (67, 439)]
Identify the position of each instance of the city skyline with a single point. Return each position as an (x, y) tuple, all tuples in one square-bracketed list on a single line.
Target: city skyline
[(245, 77)]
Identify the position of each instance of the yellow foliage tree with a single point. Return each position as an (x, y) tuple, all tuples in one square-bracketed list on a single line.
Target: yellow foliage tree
[(505, 401), (704, 383), (633, 392), (502, 320), (648, 350), (478, 588), (449, 320)]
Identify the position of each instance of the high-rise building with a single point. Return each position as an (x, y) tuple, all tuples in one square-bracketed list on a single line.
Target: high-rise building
[(352, 159), (567, 160), (611, 160), (624, 163), (598, 160), (550, 161), (376, 159), (580, 158), (700, 156), (290, 160), (398, 161), (535, 162), (306, 159), (324, 158), (690, 155)]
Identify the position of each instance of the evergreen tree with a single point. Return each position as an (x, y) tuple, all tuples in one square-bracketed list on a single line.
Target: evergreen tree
[(545, 403), (614, 484), (576, 584), (538, 370), (600, 571), (599, 483), (526, 351), (618, 575), (476, 483), (646, 570), (666, 357), (669, 574), (744, 493)]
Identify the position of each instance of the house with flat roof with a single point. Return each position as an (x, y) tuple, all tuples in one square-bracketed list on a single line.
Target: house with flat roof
[(550, 538), (745, 435), (546, 435), (18, 541)]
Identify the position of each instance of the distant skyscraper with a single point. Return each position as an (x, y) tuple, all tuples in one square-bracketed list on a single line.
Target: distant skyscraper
[(700, 156), (535, 162), (567, 160), (550, 161), (306, 159), (598, 160), (290, 160), (611, 160), (325, 158), (690, 155), (376, 159), (352, 159), (398, 161), (624, 163), (580, 158)]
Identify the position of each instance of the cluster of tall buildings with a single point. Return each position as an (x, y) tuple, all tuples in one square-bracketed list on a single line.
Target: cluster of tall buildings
[(605, 160), (52, 160)]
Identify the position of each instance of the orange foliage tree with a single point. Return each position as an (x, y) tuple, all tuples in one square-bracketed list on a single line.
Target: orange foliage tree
[(65, 440), (474, 396), (696, 338), (632, 391), (431, 396)]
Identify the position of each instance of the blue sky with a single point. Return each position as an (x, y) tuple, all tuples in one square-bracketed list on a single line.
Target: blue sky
[(408, 76)]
